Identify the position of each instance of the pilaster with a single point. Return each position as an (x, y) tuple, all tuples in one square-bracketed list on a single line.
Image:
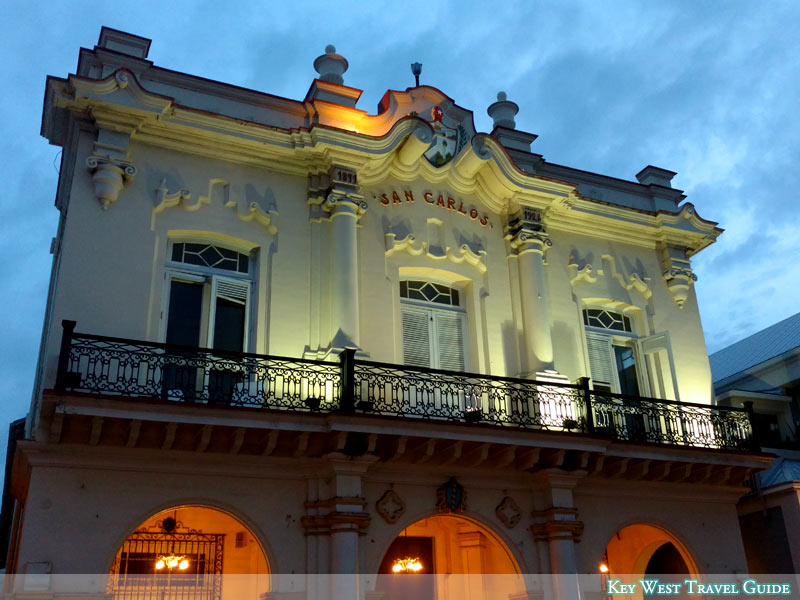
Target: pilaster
[(529, 243), (344, 205)]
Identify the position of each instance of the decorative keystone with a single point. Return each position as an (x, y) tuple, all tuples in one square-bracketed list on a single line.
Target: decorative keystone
[(109, 176)]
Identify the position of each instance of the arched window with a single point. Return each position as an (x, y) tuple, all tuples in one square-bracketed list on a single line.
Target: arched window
[(434, 325), (208, 296)]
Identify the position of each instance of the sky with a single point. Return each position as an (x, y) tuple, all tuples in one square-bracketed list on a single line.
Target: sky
[(707, 89)]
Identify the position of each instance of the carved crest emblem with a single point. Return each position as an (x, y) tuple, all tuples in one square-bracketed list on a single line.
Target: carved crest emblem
[(390, 506), (508, 512), (451, 497), (448, 139)]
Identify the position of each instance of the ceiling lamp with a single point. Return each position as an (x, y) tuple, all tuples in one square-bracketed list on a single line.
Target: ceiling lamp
[(171, 561), (406, 565)]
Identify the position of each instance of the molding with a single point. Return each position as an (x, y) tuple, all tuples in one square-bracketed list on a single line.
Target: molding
[(252, 212), (588, 275), (407, 245), (557, 523)]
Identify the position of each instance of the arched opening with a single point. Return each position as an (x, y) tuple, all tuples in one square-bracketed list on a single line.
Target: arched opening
[(446, 545), (644, 550), (185, 552)]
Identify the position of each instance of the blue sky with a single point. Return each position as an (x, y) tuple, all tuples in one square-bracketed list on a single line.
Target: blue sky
[(707, 89)]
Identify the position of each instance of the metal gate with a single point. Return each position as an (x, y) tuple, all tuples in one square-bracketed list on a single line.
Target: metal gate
[(143, 570)]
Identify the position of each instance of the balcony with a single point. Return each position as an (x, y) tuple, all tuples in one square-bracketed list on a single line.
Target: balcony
[(109, 366)]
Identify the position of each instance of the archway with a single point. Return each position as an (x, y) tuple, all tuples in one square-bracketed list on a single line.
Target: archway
[(422, 559), (194, 552), (643, 550)]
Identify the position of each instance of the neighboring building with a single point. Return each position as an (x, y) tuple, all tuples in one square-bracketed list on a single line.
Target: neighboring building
[(764, 371), (314, 340)]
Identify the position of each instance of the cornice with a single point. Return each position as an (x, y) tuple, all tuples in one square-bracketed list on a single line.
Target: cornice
[(484, 168)]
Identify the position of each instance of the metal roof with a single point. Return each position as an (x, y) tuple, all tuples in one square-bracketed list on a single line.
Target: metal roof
[(755, 349)]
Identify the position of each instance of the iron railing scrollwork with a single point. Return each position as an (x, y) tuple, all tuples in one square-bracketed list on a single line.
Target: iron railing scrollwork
[(136, 369)]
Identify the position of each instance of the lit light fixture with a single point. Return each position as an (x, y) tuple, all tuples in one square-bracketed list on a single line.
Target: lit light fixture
[(406, 565), (170, 561), (603, 567)]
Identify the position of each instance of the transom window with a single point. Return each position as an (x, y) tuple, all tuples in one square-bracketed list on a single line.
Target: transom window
[(429, 292), (606, 319), (208, 255)]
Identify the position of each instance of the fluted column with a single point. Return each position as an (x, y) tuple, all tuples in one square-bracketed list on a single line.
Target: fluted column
[(530, 242), (345, 206)]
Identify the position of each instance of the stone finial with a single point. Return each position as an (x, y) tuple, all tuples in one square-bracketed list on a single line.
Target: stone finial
[(503, 111), (331, 66)]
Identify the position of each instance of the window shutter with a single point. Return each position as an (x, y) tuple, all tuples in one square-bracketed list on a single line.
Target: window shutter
[(416, 338), (660, 369), (233, 290), (601, 359), (450, 341)]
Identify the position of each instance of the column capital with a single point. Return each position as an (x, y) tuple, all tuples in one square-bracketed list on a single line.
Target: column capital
[(557, 523), (526, 233), (337, 203)]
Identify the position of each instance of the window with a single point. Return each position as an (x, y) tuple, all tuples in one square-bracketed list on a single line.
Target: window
[(433, 325), (208, 306), (205, 308), (612, 352)]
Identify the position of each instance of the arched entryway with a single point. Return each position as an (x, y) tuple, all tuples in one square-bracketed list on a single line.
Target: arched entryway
[(647, 550), (446, 545), (191, 552)]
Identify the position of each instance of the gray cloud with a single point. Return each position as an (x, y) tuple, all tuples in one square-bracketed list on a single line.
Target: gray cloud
[(708, 89)]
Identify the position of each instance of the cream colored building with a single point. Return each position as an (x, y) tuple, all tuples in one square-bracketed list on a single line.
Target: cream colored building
[(315, 340)]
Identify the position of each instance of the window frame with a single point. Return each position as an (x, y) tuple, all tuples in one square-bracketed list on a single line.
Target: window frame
[(431, 310), (209, 278), (615, 337)]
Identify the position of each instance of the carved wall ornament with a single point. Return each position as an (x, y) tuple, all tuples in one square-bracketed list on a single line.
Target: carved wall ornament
[(508, 512), (390, 506), (219, 191), (587, 274), (109, 176), (451, 497), (410, 246), (677, 273)]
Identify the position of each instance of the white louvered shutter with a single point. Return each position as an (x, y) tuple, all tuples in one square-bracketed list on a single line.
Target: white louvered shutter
[(660, 368), (601, 360), (416, 338), (234, 291), (449, 341)]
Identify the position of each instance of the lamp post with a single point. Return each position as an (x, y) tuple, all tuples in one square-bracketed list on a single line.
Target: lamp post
[(416, 69)]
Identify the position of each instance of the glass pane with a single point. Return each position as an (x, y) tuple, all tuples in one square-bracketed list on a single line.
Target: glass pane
[(404, 289), (244, 263), (184, 313), (177, 252), (626, 369), (229, 325)]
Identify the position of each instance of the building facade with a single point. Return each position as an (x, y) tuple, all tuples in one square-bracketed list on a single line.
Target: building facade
[(289, 336), (763, 370)]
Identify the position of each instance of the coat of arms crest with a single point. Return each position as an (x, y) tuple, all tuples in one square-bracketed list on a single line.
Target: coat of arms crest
[(448, 139)]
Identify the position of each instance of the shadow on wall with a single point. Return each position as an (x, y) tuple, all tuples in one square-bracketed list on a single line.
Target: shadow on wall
[(511, 342), (565, 352)]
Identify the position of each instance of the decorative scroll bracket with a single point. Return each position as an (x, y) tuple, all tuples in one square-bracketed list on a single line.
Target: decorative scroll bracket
[(109, 176)]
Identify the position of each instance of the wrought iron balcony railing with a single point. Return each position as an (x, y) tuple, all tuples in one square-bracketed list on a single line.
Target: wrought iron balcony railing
[(134, 369)]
